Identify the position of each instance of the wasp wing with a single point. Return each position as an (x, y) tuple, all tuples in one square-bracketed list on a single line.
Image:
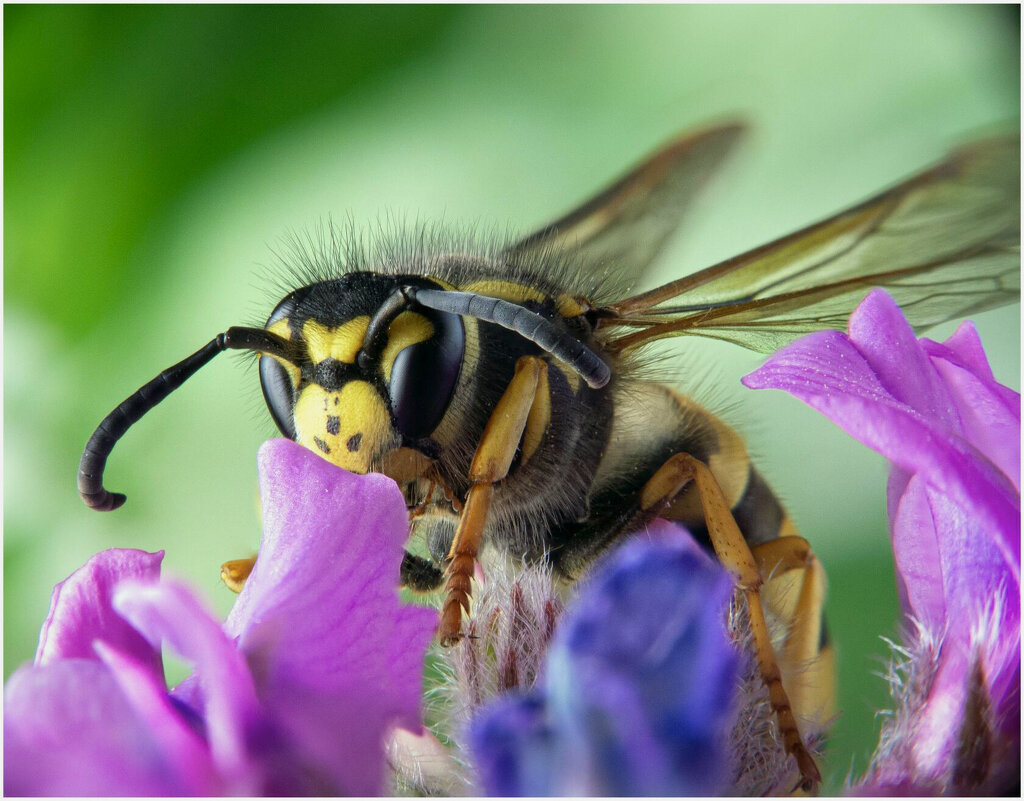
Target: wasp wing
[(944, 244), (629, 222)]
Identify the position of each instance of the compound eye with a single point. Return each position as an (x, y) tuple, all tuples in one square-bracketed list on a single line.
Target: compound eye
[(276, 383), (279, 394), (424, 376)]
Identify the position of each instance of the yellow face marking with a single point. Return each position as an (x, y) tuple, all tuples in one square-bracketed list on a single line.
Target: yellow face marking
[(506, 290), (341, 343), (408, 328), (347, 427), (282, 330)]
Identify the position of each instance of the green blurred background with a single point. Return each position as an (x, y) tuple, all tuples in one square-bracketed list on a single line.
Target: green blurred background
[(156, 156)]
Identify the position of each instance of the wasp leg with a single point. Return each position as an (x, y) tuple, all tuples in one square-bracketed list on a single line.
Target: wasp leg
[(419, 574), (491, 462), (235, 572), (806, 658), (734, 554)]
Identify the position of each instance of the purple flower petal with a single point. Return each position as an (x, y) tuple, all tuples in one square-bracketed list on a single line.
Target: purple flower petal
[(70, 730), (182, 747), (321, 606), (829, 372), (887, 343), (989, 413), (636, 695), (81, 610), (953, 435), (326, 660), (170, 613)]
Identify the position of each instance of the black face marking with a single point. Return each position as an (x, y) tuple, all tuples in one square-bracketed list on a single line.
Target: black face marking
[(353, 442), (334, 423), (332, 374), (322, 445)]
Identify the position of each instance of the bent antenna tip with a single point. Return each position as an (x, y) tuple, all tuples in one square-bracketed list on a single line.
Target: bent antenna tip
[(103, 501)]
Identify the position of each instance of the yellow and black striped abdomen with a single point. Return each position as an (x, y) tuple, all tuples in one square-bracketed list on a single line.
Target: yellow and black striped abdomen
[(651, 423)]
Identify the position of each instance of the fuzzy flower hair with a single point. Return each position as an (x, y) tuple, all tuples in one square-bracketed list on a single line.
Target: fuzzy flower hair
[(642, 682)]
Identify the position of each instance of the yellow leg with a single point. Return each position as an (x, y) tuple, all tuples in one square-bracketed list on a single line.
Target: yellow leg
[(490, 464), (235, 572), (735, 555), (806, 667)]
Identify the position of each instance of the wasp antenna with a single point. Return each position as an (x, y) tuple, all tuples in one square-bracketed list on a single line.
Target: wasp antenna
[(262, 341), (115, 424), (534, 327), (127, 413), (377, 330)]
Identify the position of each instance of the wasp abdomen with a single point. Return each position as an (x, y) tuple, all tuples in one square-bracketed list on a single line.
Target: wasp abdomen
[(651, 424)]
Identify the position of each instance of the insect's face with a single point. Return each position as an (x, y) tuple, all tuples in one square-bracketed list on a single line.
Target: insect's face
[(356, 402)]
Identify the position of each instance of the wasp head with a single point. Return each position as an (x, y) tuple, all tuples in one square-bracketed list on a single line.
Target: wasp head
[(376, 374)]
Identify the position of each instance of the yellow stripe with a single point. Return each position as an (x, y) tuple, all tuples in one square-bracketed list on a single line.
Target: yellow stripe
[(730, 463), (568, 306), (570, 375), (506, 290), (408, 328), (282, 330)]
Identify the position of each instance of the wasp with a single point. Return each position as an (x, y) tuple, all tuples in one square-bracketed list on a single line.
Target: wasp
[(501, 386)]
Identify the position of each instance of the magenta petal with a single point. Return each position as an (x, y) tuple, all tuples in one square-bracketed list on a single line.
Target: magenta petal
[(918, 564), (883, 337), (170, 613), (822, 364), (81, 610), (956, 590), (965, 345), (953, 436), (989, 413), (324, 592), (182, 747), (320, 613), (325, 743), (829, 374), (70, 730)]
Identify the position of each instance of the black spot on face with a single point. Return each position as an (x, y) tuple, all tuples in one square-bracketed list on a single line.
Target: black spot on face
[(333, 425), (322, 445), (354, 442)]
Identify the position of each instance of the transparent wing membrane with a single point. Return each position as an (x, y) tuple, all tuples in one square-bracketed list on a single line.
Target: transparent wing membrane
[(628, 224), (945, 243)]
